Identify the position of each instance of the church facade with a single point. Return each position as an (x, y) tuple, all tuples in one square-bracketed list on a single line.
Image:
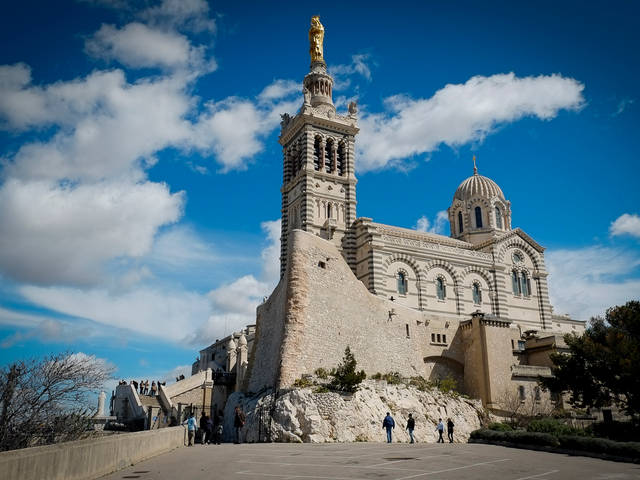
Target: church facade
[(473, 306)]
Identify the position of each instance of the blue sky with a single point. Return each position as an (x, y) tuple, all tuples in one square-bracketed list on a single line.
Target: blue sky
[(140, 169)]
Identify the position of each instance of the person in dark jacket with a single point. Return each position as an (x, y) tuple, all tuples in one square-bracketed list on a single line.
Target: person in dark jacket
[(389, 425), (411, 424), (203, 428), (450, 430)]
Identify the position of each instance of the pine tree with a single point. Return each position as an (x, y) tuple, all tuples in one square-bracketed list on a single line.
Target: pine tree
[(345, 377)]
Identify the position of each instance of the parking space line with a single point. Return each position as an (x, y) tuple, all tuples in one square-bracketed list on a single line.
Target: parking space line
[(452, 469), (539, 475), (324, 465), (298, 476)]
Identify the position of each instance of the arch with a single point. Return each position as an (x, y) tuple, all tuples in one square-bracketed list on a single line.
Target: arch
[(341, 158), (440, 367), (401, 257), (482, 272), (445, 266), (330, 155), (517, 242)]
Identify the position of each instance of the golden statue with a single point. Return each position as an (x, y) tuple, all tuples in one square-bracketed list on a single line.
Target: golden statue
[(316, 36)]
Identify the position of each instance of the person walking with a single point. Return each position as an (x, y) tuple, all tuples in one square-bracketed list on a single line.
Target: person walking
[(238, 422), (192, 426), (411, 424), (154, 388), (389, 425), (440, 430), (450, 430), (218, 427), (209, 430), (203, 428)]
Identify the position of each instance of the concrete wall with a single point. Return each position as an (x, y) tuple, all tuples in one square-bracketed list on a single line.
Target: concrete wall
[(88, 459)]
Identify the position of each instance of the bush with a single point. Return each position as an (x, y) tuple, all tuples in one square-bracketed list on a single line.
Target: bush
[(553, 426), (321, 389), (376, 376), (618, 431), (500, 427), (302, 382), (448, 385), (630, 450), (392, 378), (322, 373), (421, 383), (346, 378)]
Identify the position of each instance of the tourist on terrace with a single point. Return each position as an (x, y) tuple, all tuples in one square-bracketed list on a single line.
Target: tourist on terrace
[(389, 424)]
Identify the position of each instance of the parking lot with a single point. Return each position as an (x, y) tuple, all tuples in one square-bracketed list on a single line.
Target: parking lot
[(371, 461)]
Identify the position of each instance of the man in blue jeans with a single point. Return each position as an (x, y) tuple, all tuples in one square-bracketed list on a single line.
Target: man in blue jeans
[(389, 424), (192, 426)]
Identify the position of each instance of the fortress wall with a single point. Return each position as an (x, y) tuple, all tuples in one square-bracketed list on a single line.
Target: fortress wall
[(265, 353), (328, 309)]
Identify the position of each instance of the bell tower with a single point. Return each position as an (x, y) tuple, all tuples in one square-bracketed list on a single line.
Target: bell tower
[(318, 147)]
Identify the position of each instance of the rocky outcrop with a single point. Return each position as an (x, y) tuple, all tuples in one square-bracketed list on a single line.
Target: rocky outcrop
[(300, 415)]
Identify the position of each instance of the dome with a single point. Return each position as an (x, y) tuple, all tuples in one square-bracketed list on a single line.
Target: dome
[(479, 186)]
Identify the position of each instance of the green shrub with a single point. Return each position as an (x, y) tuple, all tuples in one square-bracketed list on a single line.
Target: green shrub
[(516, 436), (448, 385), (421, 383), (346, 378), (302, 382), (618, 431), (376, 376), (553, 426), (601, 445), (392, 378), (321, 373), (321, 389), (500, 427)]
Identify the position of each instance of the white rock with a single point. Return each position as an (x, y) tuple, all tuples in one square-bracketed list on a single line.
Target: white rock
[(299, 415)]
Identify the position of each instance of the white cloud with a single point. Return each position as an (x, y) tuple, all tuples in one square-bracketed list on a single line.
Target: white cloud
[(623, 105), (458, 114), (342, 74), (44, 329), (424, 225), (626, 224), (585, 282), (169, 314), (234, 304), (138, 46), (192, 15), (51, 233), (279, 89)]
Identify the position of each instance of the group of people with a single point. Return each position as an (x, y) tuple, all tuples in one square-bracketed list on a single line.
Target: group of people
[(212, 428), (143, 387), (389, 424)]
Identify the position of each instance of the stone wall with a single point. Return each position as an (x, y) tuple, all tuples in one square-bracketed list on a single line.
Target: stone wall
[(88, 459), (326, 309)]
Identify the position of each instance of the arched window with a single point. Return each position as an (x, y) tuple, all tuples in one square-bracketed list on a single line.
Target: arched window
[(329, 156), (441, 288), (329, 210), (316, 153), (515, 283), (498, 218), (521, 393), (341, 158), (478, 211), (460, 224), (477, 293), (402, 283), (525, 284)]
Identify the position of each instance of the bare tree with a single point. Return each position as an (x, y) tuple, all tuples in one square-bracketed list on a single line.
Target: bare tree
[(46, 401), (520, 407)]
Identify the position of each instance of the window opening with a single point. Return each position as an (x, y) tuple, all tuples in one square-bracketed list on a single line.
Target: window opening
[(478, 211), (438, 337), (316, 154), (329, 157), (521, 393), (498, 218), (515, 284), (402, 283), (444, 339), (433, 338), (460, 223), (341, 158), (329, 210), (407, 327), (441, 288), (477, 294)]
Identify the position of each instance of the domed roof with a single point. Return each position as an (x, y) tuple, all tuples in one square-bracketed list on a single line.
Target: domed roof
[(477, 185)]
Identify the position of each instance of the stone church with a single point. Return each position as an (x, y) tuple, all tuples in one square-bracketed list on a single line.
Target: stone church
[(473, 306)]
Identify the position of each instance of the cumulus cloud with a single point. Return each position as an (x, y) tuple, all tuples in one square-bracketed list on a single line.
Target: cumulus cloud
[(458, 114), (44, 329), (585, 282), (438, 226), (138, 46), (626, 224), (234, 304), (63, 233), (343, 74), (191, 15)]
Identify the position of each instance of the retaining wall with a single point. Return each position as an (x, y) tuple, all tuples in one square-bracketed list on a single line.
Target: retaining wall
[(89, 459)]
